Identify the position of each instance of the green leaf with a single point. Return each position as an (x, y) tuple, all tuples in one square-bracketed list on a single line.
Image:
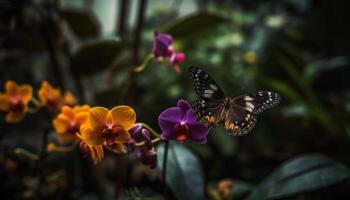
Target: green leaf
[(94, 56), (240, 189), (83, 23), (304, 173), (193, 24), (184, 172)]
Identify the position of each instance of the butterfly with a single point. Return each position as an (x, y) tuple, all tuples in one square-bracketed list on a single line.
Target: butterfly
[(238, 115)]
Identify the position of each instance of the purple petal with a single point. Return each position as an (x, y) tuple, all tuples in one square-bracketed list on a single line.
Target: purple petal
[(135, 129), (169, 135), (145, 133), (183, 105), (173, 114), (200, 140), (190, 118), (167, 121), (177, 58), (161, 45), (197, 130)]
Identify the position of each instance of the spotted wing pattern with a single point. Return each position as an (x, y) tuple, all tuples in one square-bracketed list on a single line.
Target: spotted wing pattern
[(258, 102), (204, 86), (208, 112), (239, 115), (239, 121)]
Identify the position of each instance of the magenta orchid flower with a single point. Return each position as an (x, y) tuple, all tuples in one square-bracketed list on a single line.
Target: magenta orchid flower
[(163, 49), (179, 123)]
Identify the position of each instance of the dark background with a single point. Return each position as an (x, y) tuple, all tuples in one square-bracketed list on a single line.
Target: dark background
[(298, 48)]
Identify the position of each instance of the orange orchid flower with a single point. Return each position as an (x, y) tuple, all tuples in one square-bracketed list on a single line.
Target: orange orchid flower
[(15, 101), (49, 96), (69, 99), (96, 152), (109, 127), (68, 122)]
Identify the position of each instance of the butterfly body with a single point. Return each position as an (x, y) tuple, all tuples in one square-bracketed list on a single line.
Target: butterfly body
[(237, 114)]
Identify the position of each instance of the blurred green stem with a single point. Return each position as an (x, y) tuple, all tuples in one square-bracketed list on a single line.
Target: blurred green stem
[(26, 153), (144, 64), (153, 132), (140, 144)]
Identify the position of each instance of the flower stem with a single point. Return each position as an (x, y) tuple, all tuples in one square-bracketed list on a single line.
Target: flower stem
[(165, 158), (155, 140), (36, 102), (26, 153), (144, 64), (51, 147), (153, 132)]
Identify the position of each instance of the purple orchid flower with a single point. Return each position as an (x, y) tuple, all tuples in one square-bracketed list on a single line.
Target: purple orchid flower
[(162, 45), (179, 123), (147, 153)]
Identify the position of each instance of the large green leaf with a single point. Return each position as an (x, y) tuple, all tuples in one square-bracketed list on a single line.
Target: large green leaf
[(83, 23), (193, 24), (94, 56), (301, 174), (184, 172)]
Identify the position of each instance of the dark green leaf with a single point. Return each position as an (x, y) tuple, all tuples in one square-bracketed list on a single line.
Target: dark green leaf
[(82, 22), (301, 174), (240, 189), (94, 57), (193, 24), (184, 172)]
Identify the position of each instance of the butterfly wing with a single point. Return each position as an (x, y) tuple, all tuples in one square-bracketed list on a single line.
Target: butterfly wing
[(209, 106), (239, 121), (208, 112), (205, 87), (258, 102)]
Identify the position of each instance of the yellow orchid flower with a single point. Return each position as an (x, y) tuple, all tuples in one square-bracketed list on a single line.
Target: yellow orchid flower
[(49, 96), (109, 127), (15, 101), (68, 122), (96, 152)]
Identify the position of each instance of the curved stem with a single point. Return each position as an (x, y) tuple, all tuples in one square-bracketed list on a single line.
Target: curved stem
[(140, 144), (27, 153), (144, 65), (55, 148), (153, 132)]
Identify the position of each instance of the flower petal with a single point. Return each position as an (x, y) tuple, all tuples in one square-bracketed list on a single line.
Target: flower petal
[(11, 88), (197, 130), (123, 137), (169, 118), (12, 117), (4, 102), (123, 116), (97, 117), (81, 118), (68, 111), (96, 153), (183, 105), (118, 148), (26, 93), (61, 123), (169, 135), (89, 136)]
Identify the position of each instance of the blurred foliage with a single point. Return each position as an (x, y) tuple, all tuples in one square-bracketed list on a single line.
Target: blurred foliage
[(298, 48)]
